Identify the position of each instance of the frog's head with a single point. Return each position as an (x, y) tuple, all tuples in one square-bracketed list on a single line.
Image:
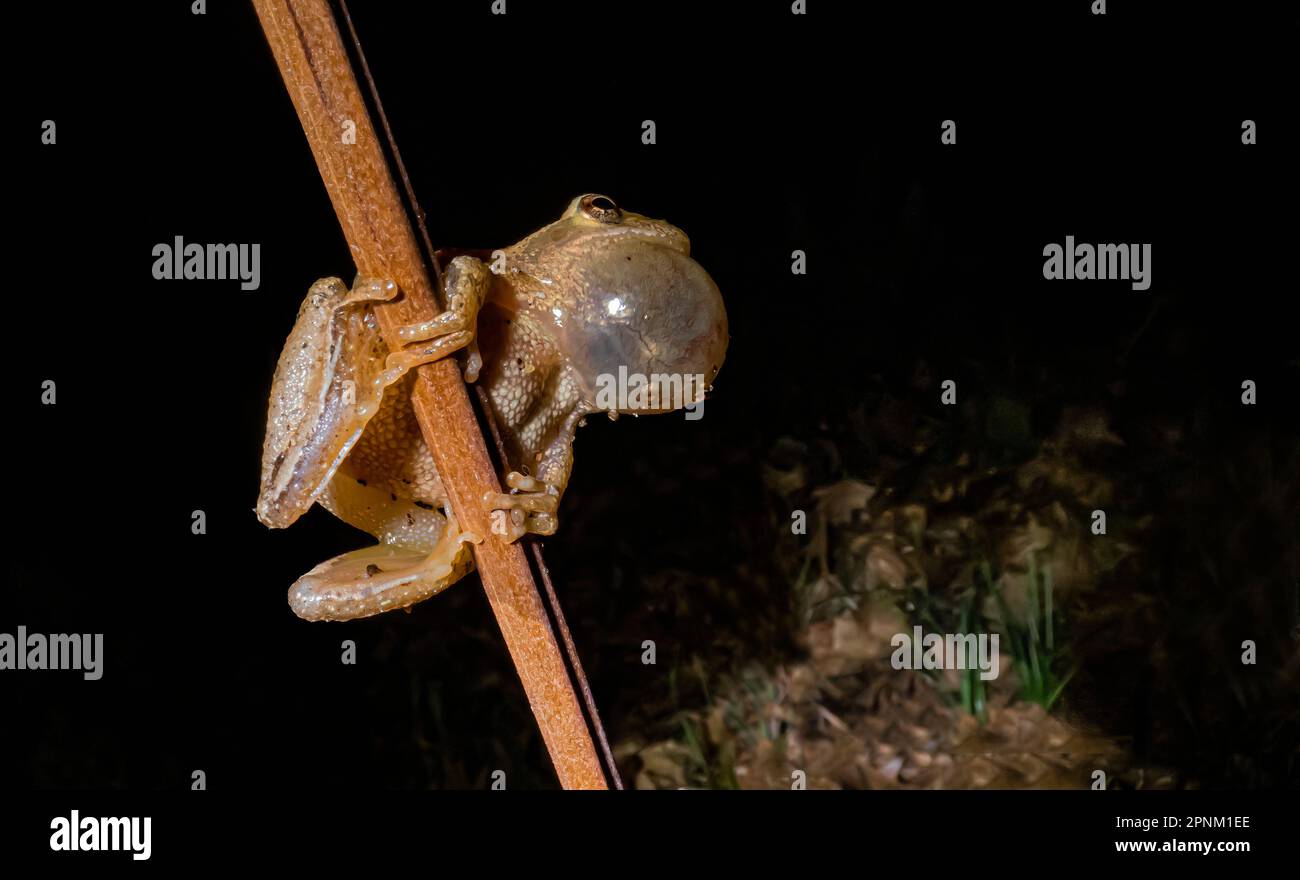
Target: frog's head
[(621, 296)]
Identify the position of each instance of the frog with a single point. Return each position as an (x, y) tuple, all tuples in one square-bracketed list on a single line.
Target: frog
[(543, 326)]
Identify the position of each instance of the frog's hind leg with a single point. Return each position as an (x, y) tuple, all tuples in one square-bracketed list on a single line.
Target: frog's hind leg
[(381, 578), (323, 393), (422, 551), (376, 579)]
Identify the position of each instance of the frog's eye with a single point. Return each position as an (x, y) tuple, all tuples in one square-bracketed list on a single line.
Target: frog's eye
[(601, 208)]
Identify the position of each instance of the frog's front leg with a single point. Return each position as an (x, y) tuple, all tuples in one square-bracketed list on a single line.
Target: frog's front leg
[(533, 505), (467, 281), (531, 509)]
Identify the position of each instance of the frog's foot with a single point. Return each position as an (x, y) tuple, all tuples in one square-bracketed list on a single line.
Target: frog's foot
[(366, 289), (530, 509), (334, 293), (376, 579), (468, 281)]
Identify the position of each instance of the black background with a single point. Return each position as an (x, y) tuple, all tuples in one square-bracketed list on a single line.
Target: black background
[(774, 133)]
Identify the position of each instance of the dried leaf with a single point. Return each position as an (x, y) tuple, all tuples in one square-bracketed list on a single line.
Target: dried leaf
[(840, 503)]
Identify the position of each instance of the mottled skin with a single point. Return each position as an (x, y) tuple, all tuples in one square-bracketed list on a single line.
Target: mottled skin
[(598, 289)]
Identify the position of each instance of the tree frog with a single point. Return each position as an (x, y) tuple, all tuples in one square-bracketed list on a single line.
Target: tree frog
[(548, 324)]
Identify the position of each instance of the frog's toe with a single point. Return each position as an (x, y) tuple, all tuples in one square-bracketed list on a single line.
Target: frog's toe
[(542, 524), (376, 579), (366, 289), (523, 513)]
